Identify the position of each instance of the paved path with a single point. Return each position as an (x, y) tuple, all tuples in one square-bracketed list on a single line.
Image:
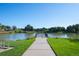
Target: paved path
[(39, 48)]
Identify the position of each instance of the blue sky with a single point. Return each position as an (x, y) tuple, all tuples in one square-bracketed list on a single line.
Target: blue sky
[(39, 15)]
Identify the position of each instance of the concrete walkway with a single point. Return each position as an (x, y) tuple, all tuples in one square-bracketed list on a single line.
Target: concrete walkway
[(39, 48)]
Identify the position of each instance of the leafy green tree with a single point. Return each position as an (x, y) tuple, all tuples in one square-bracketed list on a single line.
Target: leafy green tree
[(14, 27), (56, 29), (7, 28), (73, 28), (29, 28), (44, 30)]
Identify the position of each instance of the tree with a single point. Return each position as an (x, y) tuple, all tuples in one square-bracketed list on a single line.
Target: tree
[(29, 28), (7, 28), (56, 29), (44, 30), (14, 27), (0, 26), (73, 28)]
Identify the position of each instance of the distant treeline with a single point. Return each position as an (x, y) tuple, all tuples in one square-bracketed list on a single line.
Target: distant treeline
[(69, 29)]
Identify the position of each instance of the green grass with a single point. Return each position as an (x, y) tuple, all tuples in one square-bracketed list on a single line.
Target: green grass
[(20, 46), (64, 47)]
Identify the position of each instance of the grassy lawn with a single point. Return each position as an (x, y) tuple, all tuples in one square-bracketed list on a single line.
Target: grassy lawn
[(20, 47), (64, 47)]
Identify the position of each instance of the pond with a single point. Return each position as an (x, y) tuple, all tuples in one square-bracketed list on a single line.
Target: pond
[(21, 36), (17, 36), (63, 35)]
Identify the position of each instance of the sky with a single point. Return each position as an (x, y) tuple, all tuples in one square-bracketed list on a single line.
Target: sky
[(39, 15)]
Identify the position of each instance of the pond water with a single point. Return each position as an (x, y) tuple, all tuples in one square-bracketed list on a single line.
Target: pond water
[(59, 35), (21, 36), (16, 36), (63, 35)]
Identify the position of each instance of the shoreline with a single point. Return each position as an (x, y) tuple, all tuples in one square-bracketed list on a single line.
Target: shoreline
[(5, 32)]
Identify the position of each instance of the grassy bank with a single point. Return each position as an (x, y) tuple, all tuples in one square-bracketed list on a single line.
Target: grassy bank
[(64, 47), (20, 46), (5, 32)]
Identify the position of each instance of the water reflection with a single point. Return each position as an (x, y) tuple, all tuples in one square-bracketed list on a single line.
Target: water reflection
[(73, 36), (63, 35), (16, 36), (56, 35)]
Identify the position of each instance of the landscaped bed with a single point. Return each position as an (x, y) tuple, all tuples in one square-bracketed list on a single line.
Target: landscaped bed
[(20, 46), (64, 47)]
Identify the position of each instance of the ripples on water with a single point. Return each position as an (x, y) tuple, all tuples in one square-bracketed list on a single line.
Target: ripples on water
[(17, 36), (63, 35), (22, 36)]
